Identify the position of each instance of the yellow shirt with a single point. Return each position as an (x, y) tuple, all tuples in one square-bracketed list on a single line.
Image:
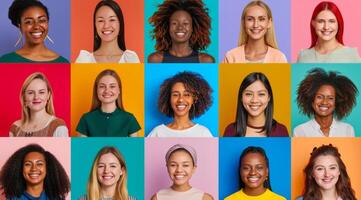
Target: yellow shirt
[(267, 195)]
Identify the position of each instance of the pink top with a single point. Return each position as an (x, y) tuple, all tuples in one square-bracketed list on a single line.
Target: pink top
[(237, 55), (170, 194)]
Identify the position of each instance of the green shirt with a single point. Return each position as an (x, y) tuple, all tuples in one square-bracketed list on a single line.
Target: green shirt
[(13, 57), (100, 124)]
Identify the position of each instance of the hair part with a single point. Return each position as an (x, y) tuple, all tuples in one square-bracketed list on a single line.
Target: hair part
[(201, 23), (94, 187), (18, 7), (12, 181), (346, 91), (96, 103), (270, 37), (343, 185), (242, 114), (195, 84), (118, 11), (330, 6)]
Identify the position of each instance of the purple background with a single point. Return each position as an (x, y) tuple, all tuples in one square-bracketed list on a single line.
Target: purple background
[(205, 177), (230, 12), (59, 27)]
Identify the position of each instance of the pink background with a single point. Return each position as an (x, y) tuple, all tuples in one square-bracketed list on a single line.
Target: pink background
[(301, 17), (59, 147), (204, 178), (12, 77)]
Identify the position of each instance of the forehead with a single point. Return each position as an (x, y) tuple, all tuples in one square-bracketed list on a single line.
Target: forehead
[(108, 158), (256, 86), (180, 154), (180, 14), (105, 11), (33, 10), (326, 89), (179, 86), (325, 160), (326, 14), (253, 158), (256, 11), (36, 83), (107, 79), (34, 156)]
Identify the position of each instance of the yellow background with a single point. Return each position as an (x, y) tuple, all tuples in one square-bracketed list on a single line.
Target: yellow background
[(350, 151), (231, 77), (82, 80)]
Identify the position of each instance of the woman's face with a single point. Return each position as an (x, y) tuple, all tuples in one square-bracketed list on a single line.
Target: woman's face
[(254, 171), (109, 170), (255, 99), (180, 26), (256, 22), (180, 167), (326, 172), (181, 100), (325, 101), (325, 25), (36, 95), (107, 24), (34, 25), (34, 168), (108, 89)]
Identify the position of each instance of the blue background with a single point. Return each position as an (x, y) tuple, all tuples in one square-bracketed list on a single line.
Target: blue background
[(155, 74), (84, 150), (151, 6), (278, 152), (59, 28), (352, 71)]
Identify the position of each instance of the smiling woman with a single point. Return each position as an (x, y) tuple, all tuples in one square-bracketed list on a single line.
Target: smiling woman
[(32, 19), (34, 173)]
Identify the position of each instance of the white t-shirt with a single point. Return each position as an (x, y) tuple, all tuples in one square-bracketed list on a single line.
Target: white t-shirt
[(195, 131), (312, 129), (128, 56)]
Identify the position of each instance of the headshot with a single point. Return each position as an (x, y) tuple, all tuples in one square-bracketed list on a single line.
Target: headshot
[(109, 44), (254, 116), (112, 168), (181, 170), (182, 31), (37, 110), (254, 168), (32, 19), (326, 97), (257, 39), (32, 172), (182, 97), (107, 116), (327, 27)]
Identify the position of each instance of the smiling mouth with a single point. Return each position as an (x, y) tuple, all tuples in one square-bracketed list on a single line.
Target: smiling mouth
[(181, 107), (323, 108), (326, 33), (180, 34), (36, 34), (256, 31), (254, 107), (107, 32), (179, 176), (34, 175), (107, 177), (253, 179)]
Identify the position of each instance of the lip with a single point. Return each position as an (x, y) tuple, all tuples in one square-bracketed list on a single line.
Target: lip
[(36, 34), (181, 107), (107, 32), (254, 107), (253, 179), (107, 177)]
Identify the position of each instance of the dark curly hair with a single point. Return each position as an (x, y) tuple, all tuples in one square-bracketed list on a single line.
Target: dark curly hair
[(12, 181), (201, 22), (261, 151), (18, 7), (345, 89), (195, 84), (118, 12), (343, 185)]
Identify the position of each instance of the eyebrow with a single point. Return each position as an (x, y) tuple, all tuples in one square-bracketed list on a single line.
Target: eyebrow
[(37, 17)]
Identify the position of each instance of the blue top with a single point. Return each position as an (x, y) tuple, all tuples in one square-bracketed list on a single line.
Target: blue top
[(27, 196)]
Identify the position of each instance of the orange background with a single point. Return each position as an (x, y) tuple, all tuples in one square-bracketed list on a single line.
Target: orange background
[(82, 81), (82, 26), (349, 148), (231, 77)]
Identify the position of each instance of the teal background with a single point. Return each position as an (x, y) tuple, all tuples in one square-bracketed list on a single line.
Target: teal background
[(352, 71), (84, 150), (212, 5)]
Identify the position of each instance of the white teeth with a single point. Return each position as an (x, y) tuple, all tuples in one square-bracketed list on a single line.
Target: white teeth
[(256, 30), (254, 107), (323, 108), (107, 177), (180, 34), (181, 107), (107, 32), (36, 34), (179, 176), (253, 179)]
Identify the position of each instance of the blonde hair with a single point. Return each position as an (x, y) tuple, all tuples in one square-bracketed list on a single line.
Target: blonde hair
[(25, 113), (270, 37), (95, 100), (94, 188)]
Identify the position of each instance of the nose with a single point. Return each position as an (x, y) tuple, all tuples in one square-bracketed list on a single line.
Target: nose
[(256, 23), (254, 98), (33, 167), (252, 171), (326, 173), (325, 25), (106, 169), (178, 169)]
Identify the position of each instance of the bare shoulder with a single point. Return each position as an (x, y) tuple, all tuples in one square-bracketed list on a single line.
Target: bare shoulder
[(154, 197), (205, 58), (207, 196), (156, 57)]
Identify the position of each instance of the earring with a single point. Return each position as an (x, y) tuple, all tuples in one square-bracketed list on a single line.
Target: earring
[(48, 37), (20, 39)]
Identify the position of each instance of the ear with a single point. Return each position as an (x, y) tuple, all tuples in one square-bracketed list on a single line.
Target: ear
[(269, 23), (121, 171), (194, 169)]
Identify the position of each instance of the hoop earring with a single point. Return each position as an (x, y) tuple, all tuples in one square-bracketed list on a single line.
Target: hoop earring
[(48, 37), (20, 39)]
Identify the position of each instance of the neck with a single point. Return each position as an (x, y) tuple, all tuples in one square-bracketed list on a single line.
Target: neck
[(256, 121), (256, 45), (34, 48), (38, 116), (254, 191), (35, 190), (328, 46), (107, 191), (325, 123), (180, 49), (109, 48), (181, 123), (181, 188), (108, 107), (330, 194)]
